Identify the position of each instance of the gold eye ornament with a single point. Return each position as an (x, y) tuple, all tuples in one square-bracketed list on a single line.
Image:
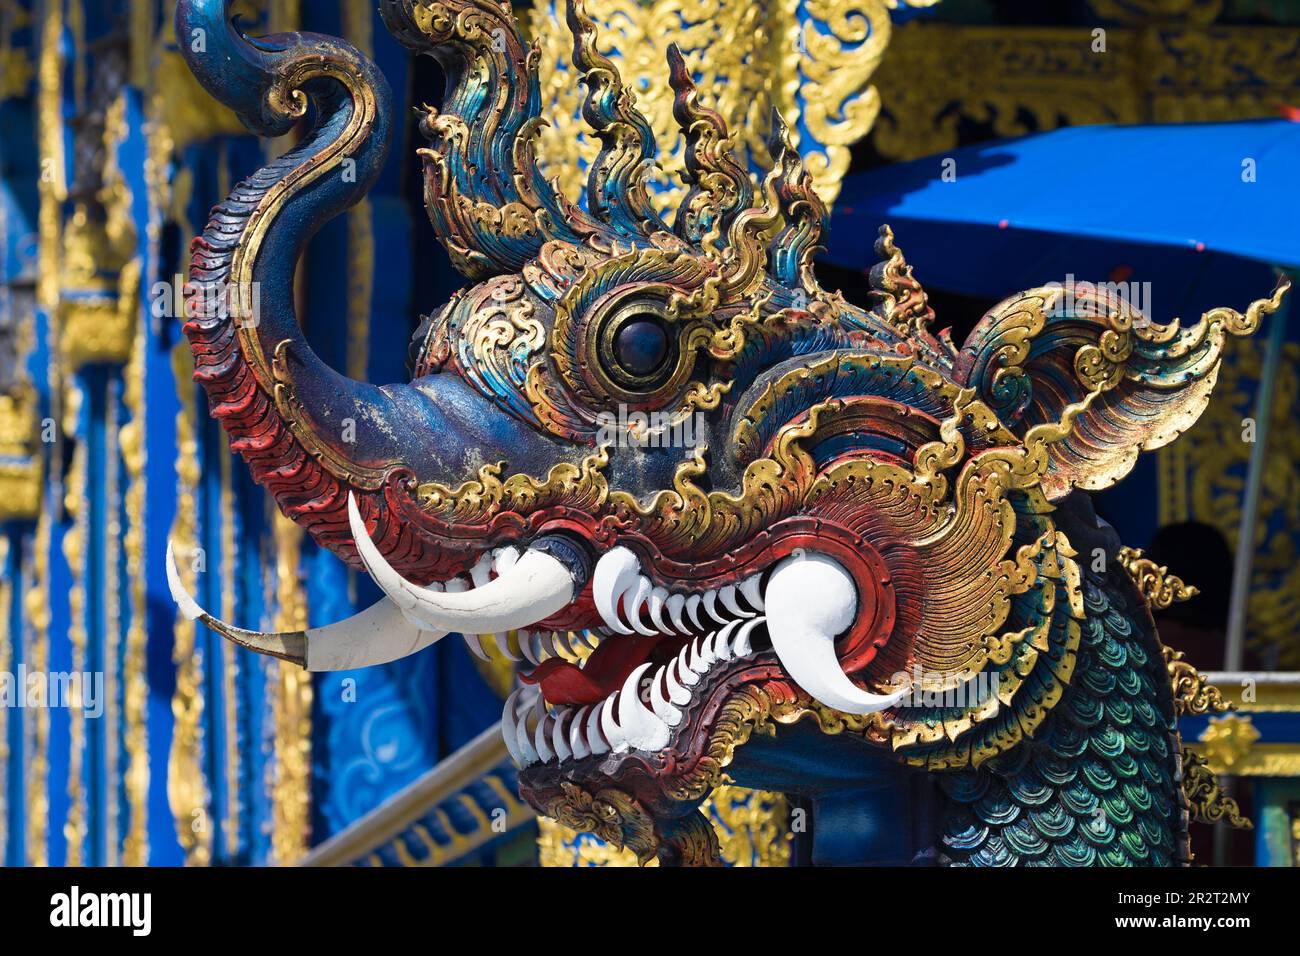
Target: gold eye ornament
[(634, 349)]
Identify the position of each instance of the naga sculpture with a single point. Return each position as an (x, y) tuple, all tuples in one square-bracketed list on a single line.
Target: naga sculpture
[(873, 569)]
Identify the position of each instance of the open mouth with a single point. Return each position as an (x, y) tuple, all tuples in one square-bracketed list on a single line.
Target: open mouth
[(640, 667), (656, 646)]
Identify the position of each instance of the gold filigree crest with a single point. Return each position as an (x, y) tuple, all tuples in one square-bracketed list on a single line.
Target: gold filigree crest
[(1192, 695), (1206, 799), (1153, 381), (1158, 587)]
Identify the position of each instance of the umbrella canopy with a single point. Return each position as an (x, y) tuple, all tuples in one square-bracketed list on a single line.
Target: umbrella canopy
[(1160, 200)]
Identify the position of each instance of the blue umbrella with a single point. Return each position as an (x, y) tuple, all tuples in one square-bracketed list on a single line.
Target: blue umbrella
[(1164, 200)]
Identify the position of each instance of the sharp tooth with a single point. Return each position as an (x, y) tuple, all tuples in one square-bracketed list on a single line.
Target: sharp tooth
[(596, 740), (503, 642), (542, 738), (803, 631), (637, 722), (503, 559), (728, 597), (693, 610), (616, 573), (457, 585), (658, 600), (564, 645), (711, 605), (665, 711), (751, 587), (635, 606), (719, 647), (472, 642), (705, 650), (693, 658), (685, 673), (741, 647), (526, 647), (588, 640), (436, 586), (560, 734), (676, 603), (609, 726), (481, 573), (509, 728), (522, 734), (676, 692), (537, 640), (578, 734)]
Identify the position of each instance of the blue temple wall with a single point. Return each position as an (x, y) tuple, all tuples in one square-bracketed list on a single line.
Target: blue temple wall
[(206, 768)]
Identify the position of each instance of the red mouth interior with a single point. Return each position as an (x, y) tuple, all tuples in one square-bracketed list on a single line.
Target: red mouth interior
[(605, 670)]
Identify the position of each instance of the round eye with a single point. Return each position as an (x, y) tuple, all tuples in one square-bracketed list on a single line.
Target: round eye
[(641, 345), (635, 348)]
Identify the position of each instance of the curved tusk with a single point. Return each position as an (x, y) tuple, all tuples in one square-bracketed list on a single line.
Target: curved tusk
[(532, 589), (377, 635), (810, 600)]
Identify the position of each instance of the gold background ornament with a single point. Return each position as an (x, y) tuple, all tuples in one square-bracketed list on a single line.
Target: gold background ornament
[(20, 458), (1141, 11), (1169, 67), (1227, 740), (811, 59), (752, 828)]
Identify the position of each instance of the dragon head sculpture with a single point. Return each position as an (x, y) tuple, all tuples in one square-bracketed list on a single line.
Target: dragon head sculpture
[(701, 494)]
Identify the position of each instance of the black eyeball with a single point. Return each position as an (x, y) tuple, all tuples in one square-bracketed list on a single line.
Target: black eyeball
[(636, 348), (641, 345)]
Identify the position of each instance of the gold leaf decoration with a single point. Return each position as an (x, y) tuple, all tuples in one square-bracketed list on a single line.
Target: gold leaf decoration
[(812, 59), (1207, 803), (1193, 694)]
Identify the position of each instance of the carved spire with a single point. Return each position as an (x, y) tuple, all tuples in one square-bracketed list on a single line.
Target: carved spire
[(720, 186), (616, 191), (791, 253), (486, 197)]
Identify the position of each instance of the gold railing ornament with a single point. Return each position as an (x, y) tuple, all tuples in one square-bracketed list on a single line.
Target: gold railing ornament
[(1226, 740)]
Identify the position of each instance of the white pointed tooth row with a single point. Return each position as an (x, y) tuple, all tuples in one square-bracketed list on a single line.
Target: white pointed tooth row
[(625, 598), (639, 716), (537, 646)]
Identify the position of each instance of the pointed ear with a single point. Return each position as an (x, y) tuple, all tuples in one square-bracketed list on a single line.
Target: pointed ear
[(1037, 352)]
